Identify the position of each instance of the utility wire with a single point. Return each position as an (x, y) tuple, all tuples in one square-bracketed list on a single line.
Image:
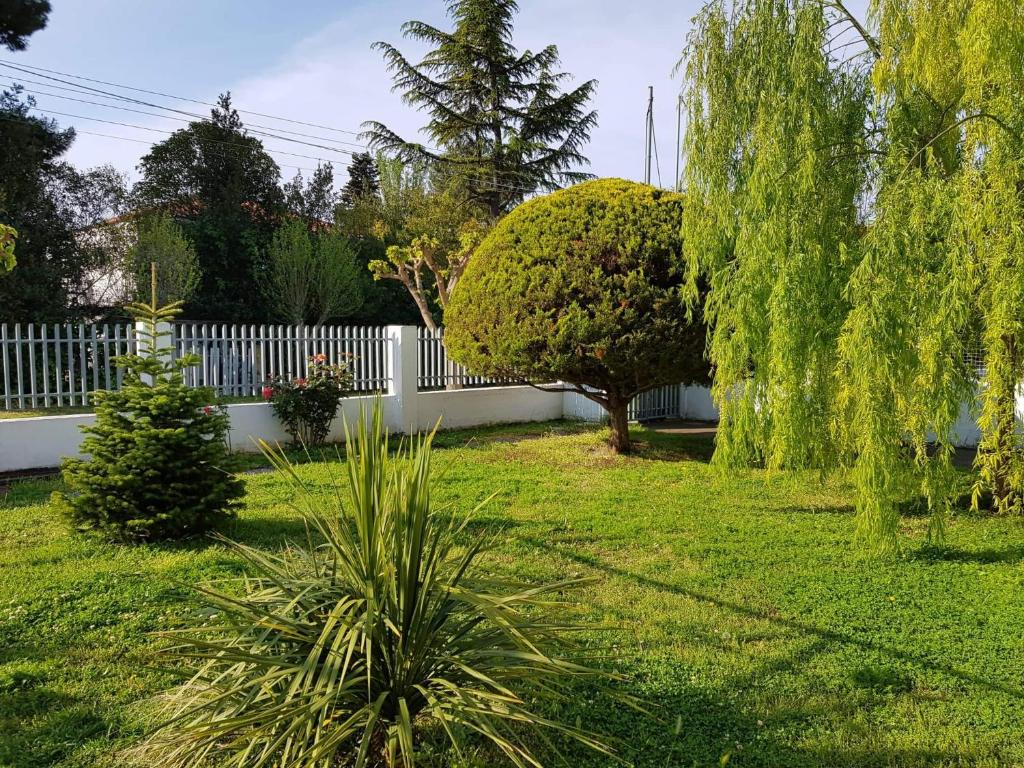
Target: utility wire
[(80, 88), (228, 144), (183, 112), (185, 120), (19, 83), (149, 143), (7, 63)]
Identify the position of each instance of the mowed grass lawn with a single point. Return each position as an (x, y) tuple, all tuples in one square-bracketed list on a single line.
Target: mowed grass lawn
[(746, 619)]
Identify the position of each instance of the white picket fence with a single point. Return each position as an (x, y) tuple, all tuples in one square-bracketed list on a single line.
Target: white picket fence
[(55, 365), (236, 360), (50, 366), (435, 370)]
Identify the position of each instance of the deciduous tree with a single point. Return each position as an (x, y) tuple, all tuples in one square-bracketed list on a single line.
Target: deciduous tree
[(161, 242), (854, 202)]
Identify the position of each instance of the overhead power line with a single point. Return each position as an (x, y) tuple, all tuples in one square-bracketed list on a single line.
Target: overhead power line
[(180, 111), (8, 63), (228, 145), (35, 91), (181, 119), (81, 89)]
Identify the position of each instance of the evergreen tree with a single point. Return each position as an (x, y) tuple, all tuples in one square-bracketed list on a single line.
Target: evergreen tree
[(223, 189), (501, 125), (363, 180), (19, 19), (159, 465)]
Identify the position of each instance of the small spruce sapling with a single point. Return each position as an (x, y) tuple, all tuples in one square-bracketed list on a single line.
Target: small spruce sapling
[(158, 463)]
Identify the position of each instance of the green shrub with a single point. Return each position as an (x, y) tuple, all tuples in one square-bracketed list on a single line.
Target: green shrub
[(338, 653), (307, 406), (158, 464), (584, 286)]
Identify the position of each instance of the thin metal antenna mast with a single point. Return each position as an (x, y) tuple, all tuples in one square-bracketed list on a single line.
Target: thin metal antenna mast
[(649, 134)]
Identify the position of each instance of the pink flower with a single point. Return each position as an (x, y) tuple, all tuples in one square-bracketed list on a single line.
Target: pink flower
[(207, 409)]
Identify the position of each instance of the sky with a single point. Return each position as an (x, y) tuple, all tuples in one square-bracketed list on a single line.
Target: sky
[(312, 61)]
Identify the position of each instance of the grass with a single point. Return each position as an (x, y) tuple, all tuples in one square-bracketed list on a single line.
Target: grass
[(746, 618)]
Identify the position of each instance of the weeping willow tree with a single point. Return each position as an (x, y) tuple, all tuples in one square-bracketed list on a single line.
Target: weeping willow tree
[(855, 205)]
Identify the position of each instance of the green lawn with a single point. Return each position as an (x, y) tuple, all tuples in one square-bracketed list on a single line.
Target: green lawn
[(747, 621)]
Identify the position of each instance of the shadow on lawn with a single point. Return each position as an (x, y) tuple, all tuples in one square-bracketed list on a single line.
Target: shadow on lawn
[(803, 628), (1011, 554), (26, 493), (39, 726), (687, 725)]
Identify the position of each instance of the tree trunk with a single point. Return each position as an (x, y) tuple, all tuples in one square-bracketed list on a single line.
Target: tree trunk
[(618, 410), (1003, 491)]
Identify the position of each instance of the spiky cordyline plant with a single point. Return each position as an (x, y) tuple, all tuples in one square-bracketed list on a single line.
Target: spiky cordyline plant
[(338, 653)]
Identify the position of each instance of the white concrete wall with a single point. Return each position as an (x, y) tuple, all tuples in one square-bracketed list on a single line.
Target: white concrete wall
[(41, 442), (489, 405), (696, 404)]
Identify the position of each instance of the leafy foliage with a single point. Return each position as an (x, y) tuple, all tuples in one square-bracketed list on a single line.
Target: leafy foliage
[(584, 286), (312, 201), (47, 201), (308, 405), (223, 189), (338, 653), (420, 231), (502, 126), (19, 19), (158, 466), (447, 231), (854, 205), (7, 237), (312, 276), (161, 242)]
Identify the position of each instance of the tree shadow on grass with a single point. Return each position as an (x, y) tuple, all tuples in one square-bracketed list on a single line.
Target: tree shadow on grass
[(1011, 554), (39, 727), (685, 724), (15, 494), (800, 627), (652, 445)]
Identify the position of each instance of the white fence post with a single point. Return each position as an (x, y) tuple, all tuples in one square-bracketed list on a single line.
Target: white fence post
[(402, 374)]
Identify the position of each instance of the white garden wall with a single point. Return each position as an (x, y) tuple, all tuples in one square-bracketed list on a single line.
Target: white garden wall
[(41, 442)]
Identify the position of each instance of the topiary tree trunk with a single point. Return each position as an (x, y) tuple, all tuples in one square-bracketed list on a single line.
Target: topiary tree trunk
[(618, 418)]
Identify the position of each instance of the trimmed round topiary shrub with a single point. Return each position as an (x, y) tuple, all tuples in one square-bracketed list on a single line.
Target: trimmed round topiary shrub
[(158, 463), (585, 286)]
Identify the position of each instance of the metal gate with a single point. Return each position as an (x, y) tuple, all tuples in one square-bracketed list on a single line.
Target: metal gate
[(660, 403)]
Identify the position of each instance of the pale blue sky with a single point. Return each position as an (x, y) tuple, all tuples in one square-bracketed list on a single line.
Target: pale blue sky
[(311, 60)]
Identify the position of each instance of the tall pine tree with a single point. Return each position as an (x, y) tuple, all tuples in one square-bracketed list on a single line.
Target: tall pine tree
[(363, 180), (500, 125), (19, 19)]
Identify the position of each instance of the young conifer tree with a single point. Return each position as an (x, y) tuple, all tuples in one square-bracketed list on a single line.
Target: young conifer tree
[(158, 463)]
